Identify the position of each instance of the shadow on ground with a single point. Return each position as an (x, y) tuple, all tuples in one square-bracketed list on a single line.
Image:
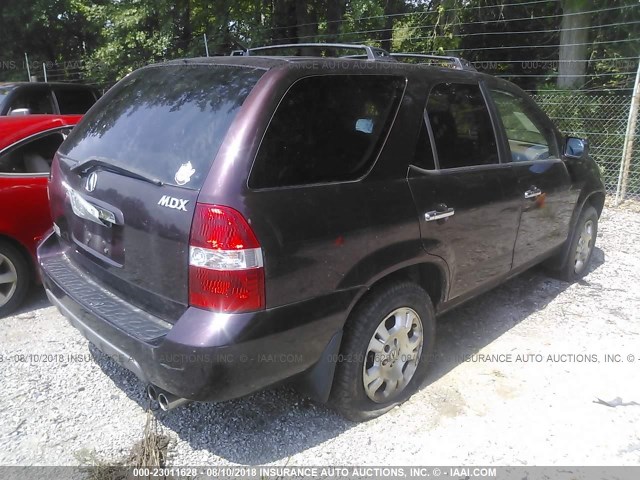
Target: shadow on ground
[(474, 325), (253, 430), (35, 300), (278, 423)]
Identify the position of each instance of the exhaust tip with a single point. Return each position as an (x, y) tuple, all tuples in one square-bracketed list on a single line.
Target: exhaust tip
[(163, 401), (152, 393), (168, 401)]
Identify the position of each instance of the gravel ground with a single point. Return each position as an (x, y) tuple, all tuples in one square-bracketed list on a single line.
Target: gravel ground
[(546, 396)]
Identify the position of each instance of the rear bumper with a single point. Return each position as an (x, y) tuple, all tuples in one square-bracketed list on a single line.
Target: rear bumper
[(204, 356)]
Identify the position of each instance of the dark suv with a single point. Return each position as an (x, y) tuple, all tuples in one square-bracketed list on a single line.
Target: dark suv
[(226, 224), (24, 98)]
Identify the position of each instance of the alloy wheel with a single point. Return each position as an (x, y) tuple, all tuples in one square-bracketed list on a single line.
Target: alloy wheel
[(584, 247), (8, 279)]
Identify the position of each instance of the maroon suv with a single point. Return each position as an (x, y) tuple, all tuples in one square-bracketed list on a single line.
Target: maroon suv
[(225, 224)]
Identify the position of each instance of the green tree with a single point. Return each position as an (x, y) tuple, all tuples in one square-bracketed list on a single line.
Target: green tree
[(574, 36), (53, 31)]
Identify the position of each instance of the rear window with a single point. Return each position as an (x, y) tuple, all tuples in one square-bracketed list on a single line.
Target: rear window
[(74, 101), (327, 129), (167, 122)]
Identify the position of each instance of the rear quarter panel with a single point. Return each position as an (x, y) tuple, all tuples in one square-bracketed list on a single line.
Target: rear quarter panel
[(319, 239)]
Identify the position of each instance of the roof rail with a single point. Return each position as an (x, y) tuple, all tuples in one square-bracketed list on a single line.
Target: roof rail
[(370, 53), (456, 62)]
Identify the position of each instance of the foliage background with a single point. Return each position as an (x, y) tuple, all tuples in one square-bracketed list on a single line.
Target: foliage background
[(99, 41), (579, 57)]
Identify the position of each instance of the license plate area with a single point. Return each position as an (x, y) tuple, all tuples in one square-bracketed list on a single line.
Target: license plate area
[(100, 241), (96, 229), (88, 211)]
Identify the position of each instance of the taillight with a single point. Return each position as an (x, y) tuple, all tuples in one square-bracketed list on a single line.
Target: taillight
[(226, 272)]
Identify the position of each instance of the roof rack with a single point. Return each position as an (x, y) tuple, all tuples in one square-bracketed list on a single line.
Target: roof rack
[(369, 53), (456, 62)]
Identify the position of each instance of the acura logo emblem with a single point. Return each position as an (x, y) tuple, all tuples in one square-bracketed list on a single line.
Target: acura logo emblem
[(91, 182)]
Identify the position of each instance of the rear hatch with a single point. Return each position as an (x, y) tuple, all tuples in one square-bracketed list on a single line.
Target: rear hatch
[(125, 183)]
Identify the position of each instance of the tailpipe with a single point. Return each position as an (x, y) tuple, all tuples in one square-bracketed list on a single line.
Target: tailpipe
[(152, 393), (167, 401)]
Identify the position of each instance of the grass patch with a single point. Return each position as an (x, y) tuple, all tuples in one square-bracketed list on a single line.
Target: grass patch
[(151, 451)]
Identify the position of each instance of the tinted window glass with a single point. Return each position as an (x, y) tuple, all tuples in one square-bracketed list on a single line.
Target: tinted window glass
[(461, 126), (424, 152), (37, 101), (327, 129), (74, 101), (161, 120), (4, 93), (32, 156), (530, 137)]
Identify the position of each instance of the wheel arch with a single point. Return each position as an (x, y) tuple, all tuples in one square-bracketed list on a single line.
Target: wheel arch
[(593, 199), (596, 200), (431, 277), (428, 275)]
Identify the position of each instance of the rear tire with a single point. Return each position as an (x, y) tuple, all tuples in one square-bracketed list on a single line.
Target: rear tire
[(15, 278), (575, 263), (388, 341)]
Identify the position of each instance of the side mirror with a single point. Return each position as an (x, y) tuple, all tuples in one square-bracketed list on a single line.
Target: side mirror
[(17, 112), (576, 147)]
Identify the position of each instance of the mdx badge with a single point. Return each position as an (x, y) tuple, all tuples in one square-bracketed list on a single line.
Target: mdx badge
[(92, 181), (172, 202)]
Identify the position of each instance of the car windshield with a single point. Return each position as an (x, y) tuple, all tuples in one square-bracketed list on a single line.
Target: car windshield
[(166, 122)]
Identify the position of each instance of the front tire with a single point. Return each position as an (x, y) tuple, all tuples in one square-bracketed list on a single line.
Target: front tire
[(384, 356), (14, 278), (576, 261)]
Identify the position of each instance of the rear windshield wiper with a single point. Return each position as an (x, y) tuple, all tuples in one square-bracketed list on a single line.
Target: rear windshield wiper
[(96, 162)]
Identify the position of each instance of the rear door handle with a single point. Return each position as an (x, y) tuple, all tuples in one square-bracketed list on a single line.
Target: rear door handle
[(533, 192), (438, 215)]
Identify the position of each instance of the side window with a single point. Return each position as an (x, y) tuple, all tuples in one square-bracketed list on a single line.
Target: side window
[(327, 128), (32, 156), (37, 101), (530, 137), (461, 126), (74, 101), (424, 151)]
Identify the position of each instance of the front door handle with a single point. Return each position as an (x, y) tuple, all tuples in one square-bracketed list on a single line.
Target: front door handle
[(438, 215), (533, 192)]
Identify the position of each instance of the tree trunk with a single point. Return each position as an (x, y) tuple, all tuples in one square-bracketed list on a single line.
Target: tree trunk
[(386, 39), (391, 10), (182, 27), (335, 11), (574, 35), (307, 28), (257, 12), (284, 21)]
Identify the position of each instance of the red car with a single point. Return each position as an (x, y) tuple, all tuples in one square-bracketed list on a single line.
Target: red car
[(27, 146)]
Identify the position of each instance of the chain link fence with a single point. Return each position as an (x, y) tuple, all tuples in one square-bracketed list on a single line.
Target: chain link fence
[(601, 118)]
